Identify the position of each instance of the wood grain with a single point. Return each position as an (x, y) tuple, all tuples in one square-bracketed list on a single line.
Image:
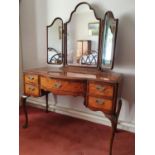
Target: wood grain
[(56, 85), (31, 90), (100, 103), (100, 89), (31, 79), (65, 73)]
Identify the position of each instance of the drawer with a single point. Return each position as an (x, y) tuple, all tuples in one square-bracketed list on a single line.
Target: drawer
[(62, 85), (99, 103), (31, 90), (31, 78), (100, 89)]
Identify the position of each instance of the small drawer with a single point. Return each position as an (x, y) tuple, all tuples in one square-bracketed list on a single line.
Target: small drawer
[(100, 89), (62, 85), (31, 78), (99, 103), (31, 90)]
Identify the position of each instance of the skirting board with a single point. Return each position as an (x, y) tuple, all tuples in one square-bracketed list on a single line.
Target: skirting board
[(39, 103)]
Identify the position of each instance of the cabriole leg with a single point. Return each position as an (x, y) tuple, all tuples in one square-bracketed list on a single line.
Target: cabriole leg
[(24, 98), (114, 125), (114, 121), (118, 111)]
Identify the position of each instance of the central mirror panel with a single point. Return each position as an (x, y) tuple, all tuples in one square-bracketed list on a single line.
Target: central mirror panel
[(82, 32)]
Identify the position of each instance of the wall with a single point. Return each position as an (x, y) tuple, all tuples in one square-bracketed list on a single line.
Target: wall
[(35, 15), (20, 69)]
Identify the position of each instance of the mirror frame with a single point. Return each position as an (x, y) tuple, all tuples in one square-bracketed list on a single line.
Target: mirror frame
[(102, 40), (62, 40), (99, 37)]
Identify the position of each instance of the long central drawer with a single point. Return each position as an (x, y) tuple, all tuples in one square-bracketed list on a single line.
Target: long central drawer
[(56, 85)]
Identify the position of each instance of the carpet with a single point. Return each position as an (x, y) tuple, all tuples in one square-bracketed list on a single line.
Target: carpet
[(55, 134)]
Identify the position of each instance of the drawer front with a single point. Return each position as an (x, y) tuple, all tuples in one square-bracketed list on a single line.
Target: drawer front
[(62, 85), (31, 90), (30, 78), (100, 103), (101, 89)]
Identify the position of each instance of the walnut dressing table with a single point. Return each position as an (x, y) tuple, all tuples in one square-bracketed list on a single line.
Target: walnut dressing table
[(99, 89), (85, 71)]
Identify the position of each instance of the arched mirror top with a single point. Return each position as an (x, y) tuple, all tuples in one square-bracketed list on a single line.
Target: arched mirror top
[(82, 8), (82, 39), (55, 42), (58, 19)]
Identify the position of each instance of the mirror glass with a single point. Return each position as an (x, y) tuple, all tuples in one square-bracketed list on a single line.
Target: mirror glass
[(108, 41), (83, 37), (55, 42)]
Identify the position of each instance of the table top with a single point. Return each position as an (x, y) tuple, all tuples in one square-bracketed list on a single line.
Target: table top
[(77, 73)]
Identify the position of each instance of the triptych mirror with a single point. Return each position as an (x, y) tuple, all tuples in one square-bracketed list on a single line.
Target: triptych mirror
[(84, 40)]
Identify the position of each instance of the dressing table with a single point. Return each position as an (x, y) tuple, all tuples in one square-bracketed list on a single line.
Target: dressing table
[(90, 76)]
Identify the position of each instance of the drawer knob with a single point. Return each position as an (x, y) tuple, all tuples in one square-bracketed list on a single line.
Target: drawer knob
[(57, 85), (99, 101), (100, 88)]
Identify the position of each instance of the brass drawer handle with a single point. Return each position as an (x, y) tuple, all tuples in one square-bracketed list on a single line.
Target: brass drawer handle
[(31, 77), (31, 88), (57, 85), (100, 101), (100, 88)]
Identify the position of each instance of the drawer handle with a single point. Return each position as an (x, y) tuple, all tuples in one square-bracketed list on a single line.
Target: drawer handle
[(31, 77), (57, 85), (100, 101), (31, 88), (100, 88)]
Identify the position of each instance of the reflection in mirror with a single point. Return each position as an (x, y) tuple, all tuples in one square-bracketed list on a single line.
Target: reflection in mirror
[(83, 37), (55, 42), (108, 42)]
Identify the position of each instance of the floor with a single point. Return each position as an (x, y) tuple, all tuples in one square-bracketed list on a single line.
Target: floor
[(55, 134)]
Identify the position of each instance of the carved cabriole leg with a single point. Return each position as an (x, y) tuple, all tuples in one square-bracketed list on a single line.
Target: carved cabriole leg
[(24, 98), (47, 101), (118, 111), (114, 121)]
